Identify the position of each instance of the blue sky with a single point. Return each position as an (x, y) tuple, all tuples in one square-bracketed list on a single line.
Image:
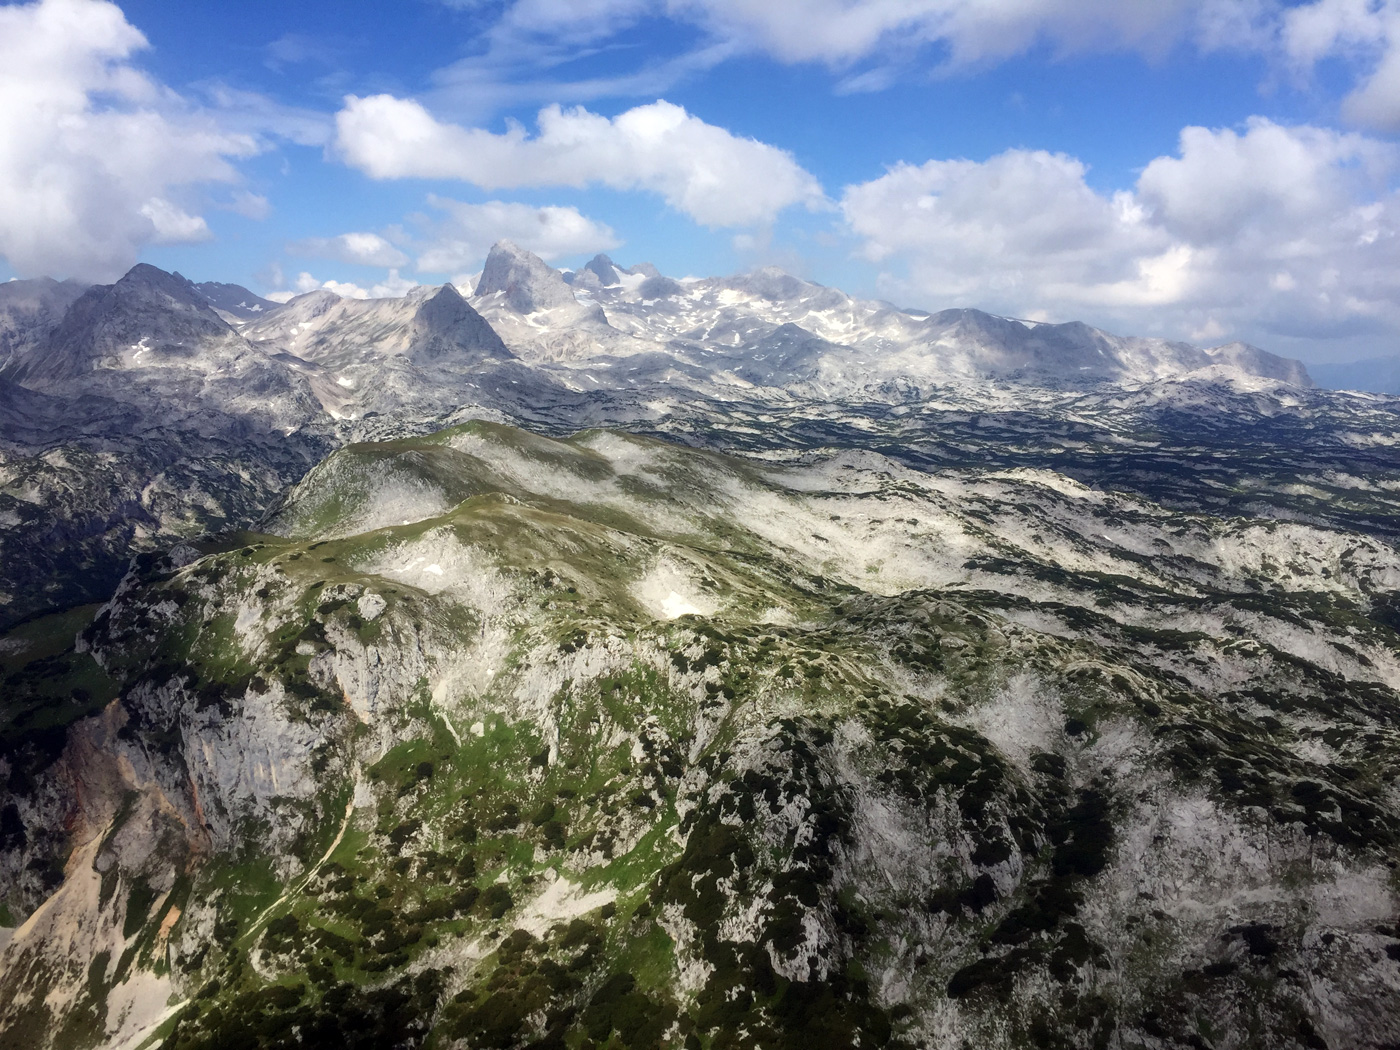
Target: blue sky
[(1207, 170)]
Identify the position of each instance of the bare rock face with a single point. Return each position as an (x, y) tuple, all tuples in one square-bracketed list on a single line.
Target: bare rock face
[(147, 313), (852, 676), (495, 739), (445, 327), (29, 312), (604, 269), (234, 301), (528, 283)]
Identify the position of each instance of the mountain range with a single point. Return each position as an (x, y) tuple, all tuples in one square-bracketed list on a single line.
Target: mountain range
[(601, 659)]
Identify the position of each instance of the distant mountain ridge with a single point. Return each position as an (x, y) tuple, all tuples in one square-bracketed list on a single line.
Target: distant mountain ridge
[(29, 310), (604, 327), (1379, 375), (235, 300)]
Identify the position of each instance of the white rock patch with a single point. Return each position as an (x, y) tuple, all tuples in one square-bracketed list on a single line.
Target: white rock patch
[(670, 591)]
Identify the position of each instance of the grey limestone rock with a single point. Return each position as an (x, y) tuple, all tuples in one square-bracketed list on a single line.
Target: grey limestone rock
[(29, 312), (527, 281), (236, 301), (445, 325)]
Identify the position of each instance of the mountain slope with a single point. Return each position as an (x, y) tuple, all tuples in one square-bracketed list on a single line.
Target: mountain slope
[(147, 313), (234, 301), (29, 312), (140, 417), (516, 741), (860, 677)]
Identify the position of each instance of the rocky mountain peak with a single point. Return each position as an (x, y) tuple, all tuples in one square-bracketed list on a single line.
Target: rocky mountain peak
[(443, 307), (1259, 362), (147, 283), (659, 287), (529, 283), (773, 283), (974, 323), (148, 311), (445, 323), (604, 269)]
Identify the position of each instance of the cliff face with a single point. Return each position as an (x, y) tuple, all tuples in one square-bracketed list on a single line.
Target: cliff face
[(509, 741)]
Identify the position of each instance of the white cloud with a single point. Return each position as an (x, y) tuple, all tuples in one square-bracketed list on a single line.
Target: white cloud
[(464, 236), (1289, 231), (716, 178), (392, 287), (874, 43), (580, 21), (993, 211), (363, 249), (96, 158), (174, 225), (839, 32), (1251, 190), (250, 205), (1376, 102), (1365, 32)]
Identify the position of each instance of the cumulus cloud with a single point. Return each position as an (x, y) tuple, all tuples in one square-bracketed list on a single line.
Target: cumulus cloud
[(361, 249), (96, 158), (174, 225), (704, 171), (392, 287), (461, 240), (1285, 230), (250, 205), (1367, 32), (1019, 222)]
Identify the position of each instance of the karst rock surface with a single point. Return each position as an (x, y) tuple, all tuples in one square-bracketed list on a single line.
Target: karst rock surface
[(605, 659)]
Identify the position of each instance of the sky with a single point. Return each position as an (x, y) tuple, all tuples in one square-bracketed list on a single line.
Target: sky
[(1204, 170)]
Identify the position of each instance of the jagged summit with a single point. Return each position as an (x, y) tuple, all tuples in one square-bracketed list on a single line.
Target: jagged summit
[(527, 282), (602, 275), (336, 332), (780, 333), (445, 324), (604, 269), (147, 316), (775, 285), (1074, 352)]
